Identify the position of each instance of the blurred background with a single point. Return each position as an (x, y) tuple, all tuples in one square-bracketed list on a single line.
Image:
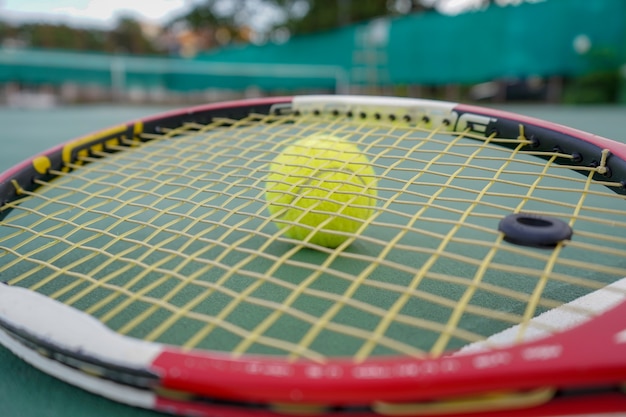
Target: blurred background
[(189, 51)]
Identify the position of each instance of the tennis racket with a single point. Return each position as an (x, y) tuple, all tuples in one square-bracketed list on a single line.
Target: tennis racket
[(142, 263)]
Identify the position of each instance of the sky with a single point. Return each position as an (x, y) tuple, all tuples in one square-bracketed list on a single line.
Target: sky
[(100, 13)]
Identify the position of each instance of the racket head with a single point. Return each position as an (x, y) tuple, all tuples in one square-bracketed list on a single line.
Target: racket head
[(346, 380)]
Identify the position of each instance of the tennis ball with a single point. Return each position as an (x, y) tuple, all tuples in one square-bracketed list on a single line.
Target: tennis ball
[(319, 186)]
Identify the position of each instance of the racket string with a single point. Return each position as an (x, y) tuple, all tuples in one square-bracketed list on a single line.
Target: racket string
[(196, 229)]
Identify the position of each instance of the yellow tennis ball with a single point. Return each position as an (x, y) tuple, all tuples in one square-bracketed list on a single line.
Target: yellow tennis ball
[(321, 189)]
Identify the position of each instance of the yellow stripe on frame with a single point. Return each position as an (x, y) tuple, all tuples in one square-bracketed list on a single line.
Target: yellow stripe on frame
[(87, 141), (137, 130)]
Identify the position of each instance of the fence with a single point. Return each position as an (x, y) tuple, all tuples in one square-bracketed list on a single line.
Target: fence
[(554, 37)]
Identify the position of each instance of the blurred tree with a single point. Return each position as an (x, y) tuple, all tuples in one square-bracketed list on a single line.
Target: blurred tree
[(200, 16), (329, 14), (222, 21), (128, 37), (289, 16), (52, 36), (45, 35)]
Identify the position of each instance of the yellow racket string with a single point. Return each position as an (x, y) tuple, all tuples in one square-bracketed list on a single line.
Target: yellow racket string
[(172, 241)]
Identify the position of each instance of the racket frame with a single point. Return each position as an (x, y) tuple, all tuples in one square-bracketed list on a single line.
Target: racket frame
[(258, 381)]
